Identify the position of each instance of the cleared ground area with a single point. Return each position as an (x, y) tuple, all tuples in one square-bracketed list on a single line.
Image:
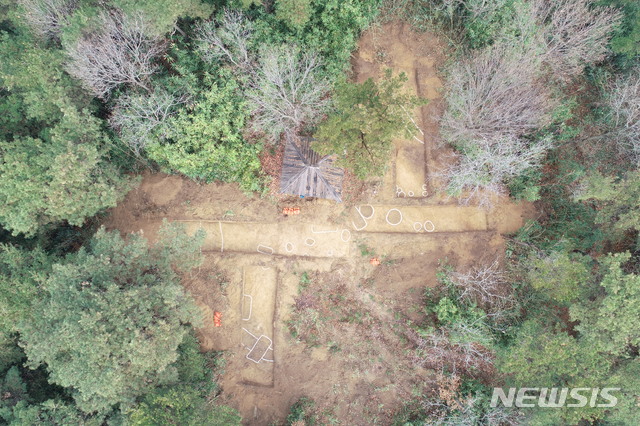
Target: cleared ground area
[(304, 312)]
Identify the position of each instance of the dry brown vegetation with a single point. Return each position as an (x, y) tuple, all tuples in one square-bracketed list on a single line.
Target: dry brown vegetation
[(624, 101), (500, 94)]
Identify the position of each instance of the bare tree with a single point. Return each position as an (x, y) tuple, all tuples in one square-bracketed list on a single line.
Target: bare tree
[(282, 83), (460, 348), (119, 52), (47, 17), (482, 170), (498, 91), (488, 287), (493, 94), (286, 91), (498, 95), (135, 116), (468, 411), (574, 33), (227, 39), (624, 101), (494, 98)]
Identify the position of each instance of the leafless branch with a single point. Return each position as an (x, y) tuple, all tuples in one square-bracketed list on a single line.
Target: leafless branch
[(485, 166), (286, 91), (119, 52), (498, 95), (493, 94), (448, 405), (459, 349), (489, 288), (227, 39), (135, 116), (574, 33), (624, 101), (47, 17), (466, 413)]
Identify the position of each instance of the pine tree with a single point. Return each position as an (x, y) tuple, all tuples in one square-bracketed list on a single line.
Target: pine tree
[(367, 117)]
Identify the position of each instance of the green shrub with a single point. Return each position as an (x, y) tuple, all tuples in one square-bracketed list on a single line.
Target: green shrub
[(332, 30), (204, 139), (302, 411), (483, 28), (560, 275), (295, 13), (626, 41), (192, 365)]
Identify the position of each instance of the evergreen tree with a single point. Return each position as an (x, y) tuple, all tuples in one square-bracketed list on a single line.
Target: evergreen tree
[(367, 117), (53, 151), (610, 323), (618, 202), (22, 272), (183, 406), (112, 319)]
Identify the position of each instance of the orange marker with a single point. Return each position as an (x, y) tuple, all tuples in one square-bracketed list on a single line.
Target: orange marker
[(291, 210), (217, 319)]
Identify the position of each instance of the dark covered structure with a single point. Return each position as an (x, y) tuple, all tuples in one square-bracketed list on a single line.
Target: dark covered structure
[(306, 173)]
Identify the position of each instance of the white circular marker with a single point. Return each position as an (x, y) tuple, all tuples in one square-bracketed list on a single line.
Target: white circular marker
[(397, 223)]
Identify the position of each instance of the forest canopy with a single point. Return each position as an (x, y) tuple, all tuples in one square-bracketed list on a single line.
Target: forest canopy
[(540, 104)]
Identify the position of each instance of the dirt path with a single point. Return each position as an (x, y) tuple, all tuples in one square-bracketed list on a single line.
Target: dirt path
[(284, 239), (257, 310), (258, 260), (395, 46)]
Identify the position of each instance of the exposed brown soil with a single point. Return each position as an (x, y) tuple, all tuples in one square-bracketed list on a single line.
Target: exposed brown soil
[(271, 161), (349, 355), (418, 56)]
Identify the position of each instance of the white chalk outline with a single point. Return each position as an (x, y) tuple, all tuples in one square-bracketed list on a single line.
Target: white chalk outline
[(266, 247), (387, 217), (415, 124), (373, 212), (250, 304), (358, 229), (221, 238), (269, 348), (433, 227)]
